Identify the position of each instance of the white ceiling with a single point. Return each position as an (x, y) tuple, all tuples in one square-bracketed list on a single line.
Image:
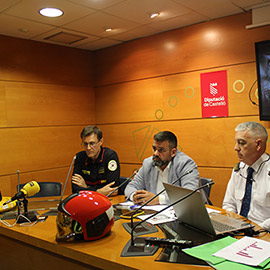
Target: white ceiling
[(128, 18)]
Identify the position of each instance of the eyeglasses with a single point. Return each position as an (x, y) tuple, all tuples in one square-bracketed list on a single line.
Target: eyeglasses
[(91, 144)]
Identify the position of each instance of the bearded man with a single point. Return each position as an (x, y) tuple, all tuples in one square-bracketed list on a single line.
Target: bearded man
[(166, 165)]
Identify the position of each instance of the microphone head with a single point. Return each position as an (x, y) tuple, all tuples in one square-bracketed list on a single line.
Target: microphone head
[(31, 188)]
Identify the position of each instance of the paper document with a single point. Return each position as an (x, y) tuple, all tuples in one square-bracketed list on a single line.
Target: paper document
[(210, 210), (205, 251), (248, 250), (131, 205), (166, 216), (126, 203)]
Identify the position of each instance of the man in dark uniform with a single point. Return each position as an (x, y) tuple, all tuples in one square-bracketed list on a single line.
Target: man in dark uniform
[(96, 168)]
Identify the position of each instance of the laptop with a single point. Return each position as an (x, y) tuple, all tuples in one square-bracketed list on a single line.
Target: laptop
[(192, 211)]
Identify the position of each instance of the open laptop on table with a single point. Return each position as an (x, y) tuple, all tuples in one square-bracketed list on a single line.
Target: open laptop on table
[(192, 211)]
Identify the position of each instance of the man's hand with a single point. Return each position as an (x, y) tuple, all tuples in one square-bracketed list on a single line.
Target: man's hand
[(141, 196), (78, 180), (107, 189)]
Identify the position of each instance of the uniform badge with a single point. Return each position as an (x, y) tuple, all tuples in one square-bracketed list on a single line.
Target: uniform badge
[(112, 165), (86, 172), (101, 170)]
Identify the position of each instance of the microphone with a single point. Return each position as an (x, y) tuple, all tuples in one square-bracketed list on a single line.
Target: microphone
[(28, 190), (252, 180), (123, 183), (175, 181), (151, 250), (70, 167)]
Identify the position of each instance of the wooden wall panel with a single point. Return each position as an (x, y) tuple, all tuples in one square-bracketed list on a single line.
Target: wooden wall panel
[(212, 44), (46, 97), (240, 80), (135, 101), (173, 97), (31, 104), (6, 187), (128, 169), (32, 61), (210, 142), (32, 149), (3, 116)]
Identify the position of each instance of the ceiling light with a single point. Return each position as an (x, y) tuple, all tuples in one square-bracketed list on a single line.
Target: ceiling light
[(51, 12), (108, 29), (154, 15), (23, 30)]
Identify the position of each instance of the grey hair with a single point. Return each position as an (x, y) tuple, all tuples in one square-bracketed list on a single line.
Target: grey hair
[(257, 130)]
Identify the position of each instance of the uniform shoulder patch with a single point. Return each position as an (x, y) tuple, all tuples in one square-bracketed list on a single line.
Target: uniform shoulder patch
[(112, 165)]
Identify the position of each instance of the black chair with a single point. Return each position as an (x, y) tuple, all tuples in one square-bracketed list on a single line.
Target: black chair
[(121, 190), (207, 190), (47, 189)]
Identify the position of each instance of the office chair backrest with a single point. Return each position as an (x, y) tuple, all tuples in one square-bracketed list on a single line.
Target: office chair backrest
[(121, 190), (47, 189), (207, 190)]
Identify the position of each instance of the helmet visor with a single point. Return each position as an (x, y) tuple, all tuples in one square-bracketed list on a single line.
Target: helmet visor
[(67, 229)]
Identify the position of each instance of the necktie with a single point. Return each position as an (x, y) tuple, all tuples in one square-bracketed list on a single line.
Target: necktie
[(247, 197)]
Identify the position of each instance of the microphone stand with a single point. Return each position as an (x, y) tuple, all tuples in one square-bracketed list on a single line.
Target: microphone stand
[(26, 215), (18, 190), (64, 188), (131, 248)]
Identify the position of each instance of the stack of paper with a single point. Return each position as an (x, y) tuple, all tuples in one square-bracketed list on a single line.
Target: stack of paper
[(229, 253)]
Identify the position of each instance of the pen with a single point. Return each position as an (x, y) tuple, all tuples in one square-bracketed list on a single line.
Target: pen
[(134, 206)]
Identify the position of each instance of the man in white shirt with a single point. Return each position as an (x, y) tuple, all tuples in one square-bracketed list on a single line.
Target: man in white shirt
[(250, 195)]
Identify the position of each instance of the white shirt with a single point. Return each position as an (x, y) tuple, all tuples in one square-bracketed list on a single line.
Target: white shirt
[(162, 177), (260, 196)]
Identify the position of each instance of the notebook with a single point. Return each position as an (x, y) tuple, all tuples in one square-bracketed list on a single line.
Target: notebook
[(192, 211)]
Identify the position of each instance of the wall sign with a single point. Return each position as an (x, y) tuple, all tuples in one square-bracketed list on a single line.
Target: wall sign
[(214, 94)]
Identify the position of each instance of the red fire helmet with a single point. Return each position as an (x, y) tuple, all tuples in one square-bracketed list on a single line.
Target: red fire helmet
[(85, 215)]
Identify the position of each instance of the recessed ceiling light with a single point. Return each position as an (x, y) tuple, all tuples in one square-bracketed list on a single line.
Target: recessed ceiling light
[(108, 29), (51, 12), (23, 30), (154, 15)]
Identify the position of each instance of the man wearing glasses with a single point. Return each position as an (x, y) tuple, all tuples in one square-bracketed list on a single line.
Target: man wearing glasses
[(166, 165), (96, 168)]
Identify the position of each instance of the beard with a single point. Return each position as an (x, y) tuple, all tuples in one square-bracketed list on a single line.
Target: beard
[(158, 162)]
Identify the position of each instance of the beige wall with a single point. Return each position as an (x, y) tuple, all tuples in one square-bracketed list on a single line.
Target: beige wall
[(153, 84)]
